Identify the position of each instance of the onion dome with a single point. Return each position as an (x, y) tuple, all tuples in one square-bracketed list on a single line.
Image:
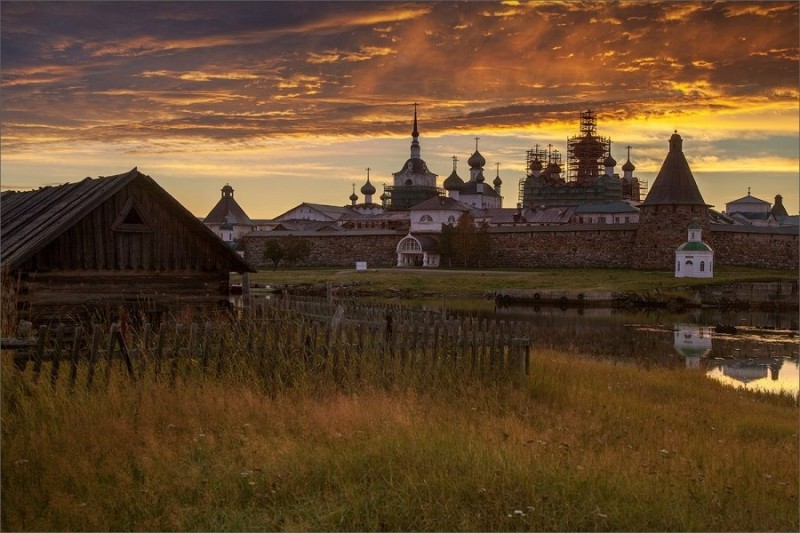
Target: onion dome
[(497, 181), (384, 197), (536, 165), (476, 160), (368, 188), (628, 166), (453, 182), (353, 197), (609, 161)]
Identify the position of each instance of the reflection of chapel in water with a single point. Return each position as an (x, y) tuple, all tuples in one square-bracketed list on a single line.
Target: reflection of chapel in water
[(692, 342)]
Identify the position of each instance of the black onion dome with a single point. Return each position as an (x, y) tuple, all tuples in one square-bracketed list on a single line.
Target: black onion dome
[(536, 165), (610, 162), (476, 160), (628, 166), (453, 182), (353, 197), (368, 188), (497, 181)]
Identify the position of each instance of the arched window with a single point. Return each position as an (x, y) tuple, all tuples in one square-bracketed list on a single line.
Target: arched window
[(426, 218), (679, 266), (702, 266), (451, 219), (410, 245)]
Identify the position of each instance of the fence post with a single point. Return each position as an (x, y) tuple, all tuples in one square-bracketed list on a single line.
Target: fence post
[(73, 360), (56, 365), (38, 355), (93, 355)]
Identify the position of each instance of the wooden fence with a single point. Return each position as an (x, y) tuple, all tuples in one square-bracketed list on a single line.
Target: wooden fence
[(279, 343)]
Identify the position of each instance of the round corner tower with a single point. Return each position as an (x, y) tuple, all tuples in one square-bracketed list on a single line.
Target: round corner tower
[(673, 203)]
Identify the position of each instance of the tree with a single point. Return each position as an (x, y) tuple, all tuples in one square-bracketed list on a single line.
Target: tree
[(465, 238), (273, 252), (447, 243), (481, 243), (296, 249)]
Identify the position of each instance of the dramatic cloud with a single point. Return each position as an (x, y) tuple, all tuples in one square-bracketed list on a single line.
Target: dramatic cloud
[(232, 85)]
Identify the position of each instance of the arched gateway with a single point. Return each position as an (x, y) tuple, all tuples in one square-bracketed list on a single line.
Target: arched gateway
[(418, 251)]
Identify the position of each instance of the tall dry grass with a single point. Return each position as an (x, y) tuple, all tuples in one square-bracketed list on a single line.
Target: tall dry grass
[(582, 445)]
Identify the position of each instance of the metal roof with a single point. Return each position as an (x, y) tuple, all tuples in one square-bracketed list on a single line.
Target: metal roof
[(608, 207), (440, 202), (748, 200), (33, 219)]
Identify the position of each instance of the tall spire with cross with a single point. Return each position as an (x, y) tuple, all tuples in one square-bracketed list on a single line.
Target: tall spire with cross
[(415, 150)]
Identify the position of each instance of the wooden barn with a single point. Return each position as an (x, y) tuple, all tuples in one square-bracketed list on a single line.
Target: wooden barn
[(100, 245)]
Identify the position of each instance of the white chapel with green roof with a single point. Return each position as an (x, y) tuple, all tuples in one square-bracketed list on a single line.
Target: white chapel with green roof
[(694, 258)]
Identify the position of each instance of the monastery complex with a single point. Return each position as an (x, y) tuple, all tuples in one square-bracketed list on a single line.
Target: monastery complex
[(577, 212)]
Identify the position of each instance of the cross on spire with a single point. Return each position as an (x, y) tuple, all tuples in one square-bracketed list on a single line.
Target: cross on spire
[(368, 169), (455, 160), (476, 143)]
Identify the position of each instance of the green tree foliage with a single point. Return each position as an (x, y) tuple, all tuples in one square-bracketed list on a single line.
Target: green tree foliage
[(465, 243), (297, 250), (447, 240), (273, 252)]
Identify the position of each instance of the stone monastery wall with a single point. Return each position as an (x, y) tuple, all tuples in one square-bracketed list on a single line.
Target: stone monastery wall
[(333, 249), (578, 246), (574, 246), (758, 249)]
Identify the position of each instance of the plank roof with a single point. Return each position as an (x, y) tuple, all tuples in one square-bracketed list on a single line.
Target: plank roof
[(31, 220), (674, 184)]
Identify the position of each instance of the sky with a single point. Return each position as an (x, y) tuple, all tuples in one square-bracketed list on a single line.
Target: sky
[(291, 102)]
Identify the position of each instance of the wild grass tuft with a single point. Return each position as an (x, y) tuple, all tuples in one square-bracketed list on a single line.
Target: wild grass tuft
[(581, 445)]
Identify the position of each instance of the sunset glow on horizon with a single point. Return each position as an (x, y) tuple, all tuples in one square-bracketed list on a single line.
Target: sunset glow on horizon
[(292, 101)]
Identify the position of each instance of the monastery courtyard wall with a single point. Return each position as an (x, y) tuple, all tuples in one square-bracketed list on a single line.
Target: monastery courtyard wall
[(572, 246), (754, 247)]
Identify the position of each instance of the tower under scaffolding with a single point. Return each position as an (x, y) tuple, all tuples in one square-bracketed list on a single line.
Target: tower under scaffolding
[(585, 180), (586, 152)]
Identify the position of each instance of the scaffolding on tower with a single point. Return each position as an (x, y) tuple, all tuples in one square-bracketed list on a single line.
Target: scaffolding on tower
[(586, 151)]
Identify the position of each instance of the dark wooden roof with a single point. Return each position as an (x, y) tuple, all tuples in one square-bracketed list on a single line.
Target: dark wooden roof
[(228, 209), (33, 219), (674, 184)]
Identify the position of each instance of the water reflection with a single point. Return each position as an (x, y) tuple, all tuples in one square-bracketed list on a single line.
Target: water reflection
[(763, 354), (692, 342), (769, 373)]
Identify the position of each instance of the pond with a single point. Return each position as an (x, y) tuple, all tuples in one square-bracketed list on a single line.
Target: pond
[(762, 354)]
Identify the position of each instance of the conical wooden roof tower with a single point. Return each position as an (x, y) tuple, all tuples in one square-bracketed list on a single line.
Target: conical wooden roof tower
[(674, 202)]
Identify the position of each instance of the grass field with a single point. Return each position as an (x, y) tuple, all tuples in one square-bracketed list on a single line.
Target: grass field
[(582, 445), (470, 281)]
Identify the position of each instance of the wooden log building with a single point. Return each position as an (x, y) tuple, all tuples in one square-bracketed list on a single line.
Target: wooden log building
[(101, 245)]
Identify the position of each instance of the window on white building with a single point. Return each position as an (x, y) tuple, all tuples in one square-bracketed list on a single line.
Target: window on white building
[(426, 218)]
